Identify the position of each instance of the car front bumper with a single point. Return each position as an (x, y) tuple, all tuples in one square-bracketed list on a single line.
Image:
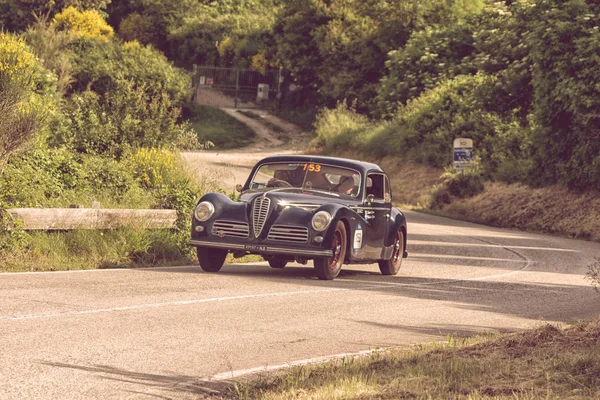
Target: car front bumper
[(262, 249)]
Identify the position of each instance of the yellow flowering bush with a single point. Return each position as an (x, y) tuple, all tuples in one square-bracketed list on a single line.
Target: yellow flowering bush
[(154, 168), (17, 63), (88, 24), (259, 62)]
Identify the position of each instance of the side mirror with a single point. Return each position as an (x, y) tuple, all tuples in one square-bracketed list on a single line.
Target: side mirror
[(238, 188), (370, 199)]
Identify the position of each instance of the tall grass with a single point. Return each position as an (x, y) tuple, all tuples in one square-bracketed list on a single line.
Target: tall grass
[(547, 362), (215, 126), (91, 249)]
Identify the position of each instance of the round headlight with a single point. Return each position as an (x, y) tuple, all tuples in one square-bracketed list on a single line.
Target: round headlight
[(321, 221), (204, 211)]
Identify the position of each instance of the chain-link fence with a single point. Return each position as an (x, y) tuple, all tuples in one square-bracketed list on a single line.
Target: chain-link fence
[(237, 88)]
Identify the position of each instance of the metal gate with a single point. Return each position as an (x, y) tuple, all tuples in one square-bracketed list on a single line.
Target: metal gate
[(237, 88)]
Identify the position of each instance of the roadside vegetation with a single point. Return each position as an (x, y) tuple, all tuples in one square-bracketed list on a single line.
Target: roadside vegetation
[(548, 362), (90, 118), (219, 130)]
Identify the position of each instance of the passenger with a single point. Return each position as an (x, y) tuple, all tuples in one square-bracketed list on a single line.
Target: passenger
[(346, 185)]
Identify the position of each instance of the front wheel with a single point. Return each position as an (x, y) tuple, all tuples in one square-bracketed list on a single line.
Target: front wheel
[(328, 268), (392, 266), (277, 262), (211, 260)]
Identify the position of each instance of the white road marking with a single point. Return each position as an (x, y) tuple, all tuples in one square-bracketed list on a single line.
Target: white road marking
[(451, 244), (270, 368), (168, 304), (118, 269), (381, 285)]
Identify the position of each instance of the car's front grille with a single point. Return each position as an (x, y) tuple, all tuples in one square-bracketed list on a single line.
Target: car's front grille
[(286, 233), (224, 228), (260, 212)]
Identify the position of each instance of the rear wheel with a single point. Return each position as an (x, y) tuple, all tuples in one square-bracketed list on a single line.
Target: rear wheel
[(211, 260), (392, 266), (329, 267), (277, 263)]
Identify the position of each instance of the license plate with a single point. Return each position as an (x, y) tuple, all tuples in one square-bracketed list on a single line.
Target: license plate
[(252, 247)]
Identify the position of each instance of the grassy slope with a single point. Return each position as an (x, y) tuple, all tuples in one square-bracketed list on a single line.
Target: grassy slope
[(547, 362), (552, 209), (212, 124)]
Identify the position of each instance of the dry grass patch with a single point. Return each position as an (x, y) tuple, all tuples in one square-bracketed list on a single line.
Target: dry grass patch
[(552, 209), (548, 362)]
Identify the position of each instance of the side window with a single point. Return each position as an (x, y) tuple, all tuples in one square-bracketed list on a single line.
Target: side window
[(376, 186), (387, 195)]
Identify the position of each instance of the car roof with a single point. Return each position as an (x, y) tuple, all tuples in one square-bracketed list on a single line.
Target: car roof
[(361, 166)]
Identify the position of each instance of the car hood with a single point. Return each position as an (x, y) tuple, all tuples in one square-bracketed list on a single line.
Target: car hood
[(304, 199)]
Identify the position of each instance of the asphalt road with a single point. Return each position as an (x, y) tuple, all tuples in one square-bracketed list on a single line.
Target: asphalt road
[(163, 333)]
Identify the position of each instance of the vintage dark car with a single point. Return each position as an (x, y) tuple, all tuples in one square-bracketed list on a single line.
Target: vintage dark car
[(333, 211)]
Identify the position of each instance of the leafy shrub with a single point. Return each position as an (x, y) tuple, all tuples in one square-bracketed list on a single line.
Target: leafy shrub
[(102, 67), (17, 15), (429, 57), (426, 127), (121, 120), (457, 185), (12, 235), (341, 126), (89, 24), (161, 173), (154, 168), (564, 42), (22, 111), (139, 28), (58, 177)]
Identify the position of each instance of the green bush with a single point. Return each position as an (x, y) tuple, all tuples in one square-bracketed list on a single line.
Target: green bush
[(24, 101), (116, 123), (17, 15), (565, 43), (58, 178), (88, 23), (342, 126), (457, 185), (424, 130), (102, 66), (429, 57)]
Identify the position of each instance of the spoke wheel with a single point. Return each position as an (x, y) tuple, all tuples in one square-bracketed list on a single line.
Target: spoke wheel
[(392, 266), (329, 267), (211, 260)]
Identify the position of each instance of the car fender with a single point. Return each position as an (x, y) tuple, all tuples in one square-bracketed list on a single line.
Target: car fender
[(224, 205), (397, 222), (338, 213)]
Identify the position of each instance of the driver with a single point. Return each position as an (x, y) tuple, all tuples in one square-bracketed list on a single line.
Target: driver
[(280, 179)]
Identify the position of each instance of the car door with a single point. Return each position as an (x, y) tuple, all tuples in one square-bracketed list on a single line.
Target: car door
[(377, 214)]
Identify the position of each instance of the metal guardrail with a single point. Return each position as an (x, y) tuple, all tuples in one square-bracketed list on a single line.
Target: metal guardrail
[(49, 219)]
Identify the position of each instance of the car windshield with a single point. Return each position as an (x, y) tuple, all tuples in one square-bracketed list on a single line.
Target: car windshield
[(314, 177)]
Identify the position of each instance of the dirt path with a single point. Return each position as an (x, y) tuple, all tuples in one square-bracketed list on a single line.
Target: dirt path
[(227, 168)]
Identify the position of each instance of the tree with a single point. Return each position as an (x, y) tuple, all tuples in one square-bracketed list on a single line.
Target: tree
[(565, 48), (17, 15), (21, 115)]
